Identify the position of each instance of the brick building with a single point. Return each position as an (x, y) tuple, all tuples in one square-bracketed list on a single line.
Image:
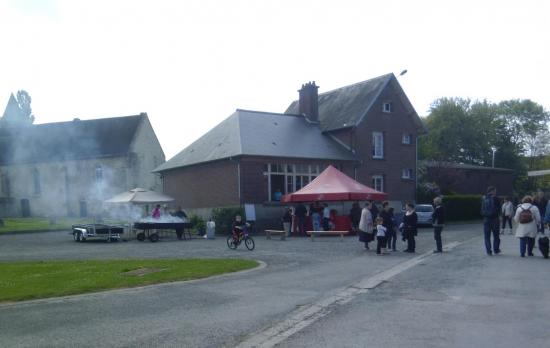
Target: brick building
[(466, 178), (368, 130)]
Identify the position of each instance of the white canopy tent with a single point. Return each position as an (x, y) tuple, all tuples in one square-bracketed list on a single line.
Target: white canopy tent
[(140, 196)]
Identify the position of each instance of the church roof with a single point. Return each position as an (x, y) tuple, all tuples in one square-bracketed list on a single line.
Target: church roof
[(74, 140)]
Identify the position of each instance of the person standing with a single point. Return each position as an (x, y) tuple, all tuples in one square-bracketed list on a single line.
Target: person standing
[(300, 213), (387, 216), (156, 212), (528, 219), (326, 217), (438, 221), (410, 221), (355, 216), (507, 214), (380, 236), (490, 208), (540, 202), (287, 221), (373, 210), (365, 226)]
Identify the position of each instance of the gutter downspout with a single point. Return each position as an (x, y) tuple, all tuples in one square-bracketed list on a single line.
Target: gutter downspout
[(239, 182), (416, 169)]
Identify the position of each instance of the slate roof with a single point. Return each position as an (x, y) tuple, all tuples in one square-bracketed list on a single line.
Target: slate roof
[(74, 140), (257, 133), (347, 106)]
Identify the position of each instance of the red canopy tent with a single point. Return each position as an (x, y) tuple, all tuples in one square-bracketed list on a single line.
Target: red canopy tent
[(333, 185)]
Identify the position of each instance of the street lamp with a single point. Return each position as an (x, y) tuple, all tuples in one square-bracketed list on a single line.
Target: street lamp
[(494, 149)]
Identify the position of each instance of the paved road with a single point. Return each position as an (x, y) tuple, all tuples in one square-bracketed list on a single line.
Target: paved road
[(230, 310), (459, 299)]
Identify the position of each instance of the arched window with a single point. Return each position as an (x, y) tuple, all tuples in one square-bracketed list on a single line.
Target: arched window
[(36, 181)]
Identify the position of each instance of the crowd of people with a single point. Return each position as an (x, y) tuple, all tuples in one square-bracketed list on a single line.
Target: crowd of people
[(369, 223), (531, 216), (385, 226)]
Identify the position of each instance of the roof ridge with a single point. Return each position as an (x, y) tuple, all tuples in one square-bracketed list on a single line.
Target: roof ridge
[(89, 120), (268, 112), (357, 83)]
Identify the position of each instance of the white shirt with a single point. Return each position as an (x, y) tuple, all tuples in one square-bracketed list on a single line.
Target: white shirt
[(380, 231)]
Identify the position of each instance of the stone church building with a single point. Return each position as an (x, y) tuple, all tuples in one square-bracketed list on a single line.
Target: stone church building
[(70, 168)]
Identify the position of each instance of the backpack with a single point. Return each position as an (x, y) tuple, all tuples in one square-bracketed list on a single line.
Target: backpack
[(488, 206), (525, 216)]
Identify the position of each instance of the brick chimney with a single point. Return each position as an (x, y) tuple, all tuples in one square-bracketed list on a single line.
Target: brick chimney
[(309, 101)]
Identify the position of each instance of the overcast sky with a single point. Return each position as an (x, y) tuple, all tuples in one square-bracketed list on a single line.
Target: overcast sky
[(190, 64)]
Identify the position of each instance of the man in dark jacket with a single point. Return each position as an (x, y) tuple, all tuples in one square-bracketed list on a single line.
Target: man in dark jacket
[(300, 213), (438, 221), (490, 209)]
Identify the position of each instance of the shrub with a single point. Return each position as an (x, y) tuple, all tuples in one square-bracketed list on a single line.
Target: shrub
[(199, 225), (224, 217), (462, 207)]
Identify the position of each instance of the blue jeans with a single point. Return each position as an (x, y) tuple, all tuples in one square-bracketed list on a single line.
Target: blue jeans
[(526, 243), (491, 225)]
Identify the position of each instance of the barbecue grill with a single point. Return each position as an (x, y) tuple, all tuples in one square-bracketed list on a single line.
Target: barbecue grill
[(150, 229)]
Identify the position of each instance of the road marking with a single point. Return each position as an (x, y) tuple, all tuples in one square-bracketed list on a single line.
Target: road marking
[(301, 318)]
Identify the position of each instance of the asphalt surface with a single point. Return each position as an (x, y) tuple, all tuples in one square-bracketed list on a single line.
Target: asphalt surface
[(226, 311)]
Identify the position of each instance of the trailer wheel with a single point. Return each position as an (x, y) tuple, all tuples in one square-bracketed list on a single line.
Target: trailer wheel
[(154, 237), (140, 236)]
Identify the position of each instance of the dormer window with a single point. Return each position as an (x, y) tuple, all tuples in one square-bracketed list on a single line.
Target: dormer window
[(387, 107)]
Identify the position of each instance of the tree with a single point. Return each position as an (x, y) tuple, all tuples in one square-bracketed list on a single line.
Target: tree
[(527, 125), (24, 102), (18, 112)]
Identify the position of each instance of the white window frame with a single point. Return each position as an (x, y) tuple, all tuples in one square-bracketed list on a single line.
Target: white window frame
[(406, 139), (387, 107), (306, 172), (378, 182), (377, 146), (407, 173)]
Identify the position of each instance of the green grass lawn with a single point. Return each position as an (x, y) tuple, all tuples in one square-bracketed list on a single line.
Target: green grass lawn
[(43, 224), (21, 281)]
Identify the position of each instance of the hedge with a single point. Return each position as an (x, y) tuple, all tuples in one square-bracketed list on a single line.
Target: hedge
[(224, 217), (462, 207)]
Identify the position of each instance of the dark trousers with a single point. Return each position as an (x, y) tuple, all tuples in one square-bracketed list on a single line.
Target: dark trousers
[(326, 225), (506, 219), (490, 225), (380, 243), (301, 225), (391, 238), (411, 243), (437, 237), (526, 243)]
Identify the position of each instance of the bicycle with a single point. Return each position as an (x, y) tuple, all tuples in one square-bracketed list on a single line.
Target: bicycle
[(241, 236)]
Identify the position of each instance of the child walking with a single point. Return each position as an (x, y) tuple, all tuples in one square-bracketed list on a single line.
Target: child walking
[(380, 236)]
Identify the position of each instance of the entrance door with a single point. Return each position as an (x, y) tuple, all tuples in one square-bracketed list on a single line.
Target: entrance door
[(25, 208)]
